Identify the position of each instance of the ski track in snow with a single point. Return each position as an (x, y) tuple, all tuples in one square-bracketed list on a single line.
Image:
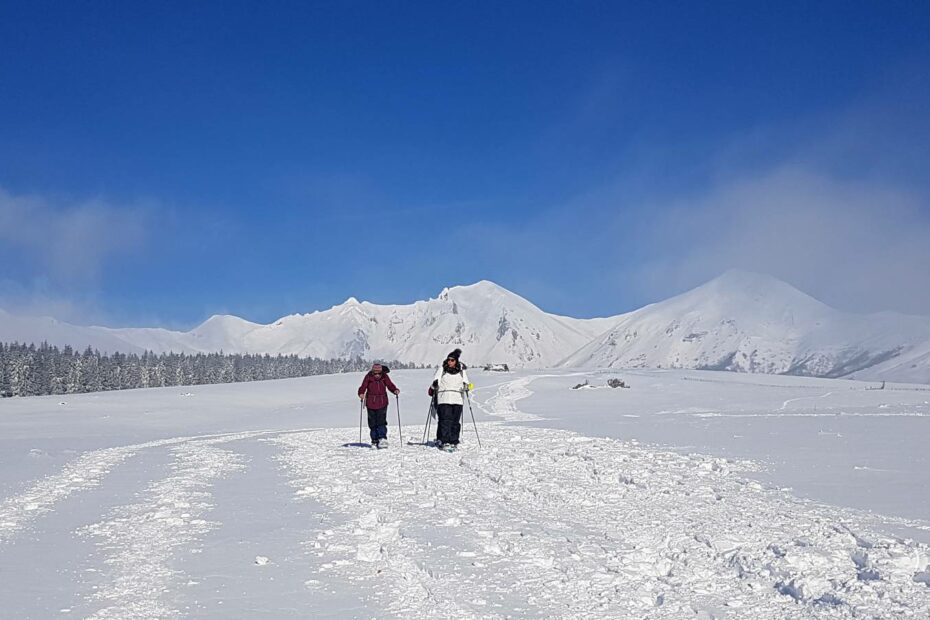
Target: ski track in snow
[(142, 539), (84, 473), (792, 400), (503, 404), (552, 524)]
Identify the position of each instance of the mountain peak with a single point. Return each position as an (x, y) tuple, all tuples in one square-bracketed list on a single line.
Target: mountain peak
[(488, 294), (221, 318), (348, 304), (742, 279), (224, 323), (481, 287), (485, 285), (741, 286)]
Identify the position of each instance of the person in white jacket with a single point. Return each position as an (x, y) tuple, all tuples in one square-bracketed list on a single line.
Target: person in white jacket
[(448, 389)]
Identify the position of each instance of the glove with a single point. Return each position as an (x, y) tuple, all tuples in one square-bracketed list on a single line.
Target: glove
[(430, 391), (396, 392), (361, 397)]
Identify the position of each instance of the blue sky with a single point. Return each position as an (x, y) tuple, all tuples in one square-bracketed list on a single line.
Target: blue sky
[(160, 163)]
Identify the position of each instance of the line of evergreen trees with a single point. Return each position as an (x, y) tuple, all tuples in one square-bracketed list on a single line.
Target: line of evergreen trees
[(30, 370)]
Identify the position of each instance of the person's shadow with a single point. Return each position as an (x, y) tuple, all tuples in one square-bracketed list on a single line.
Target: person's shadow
[(429, 443)]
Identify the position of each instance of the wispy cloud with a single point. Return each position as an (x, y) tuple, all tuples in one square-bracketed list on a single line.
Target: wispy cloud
[(36, 298), (858, 245), (843, 213), (836, 203), (67, 241), (55, 252)]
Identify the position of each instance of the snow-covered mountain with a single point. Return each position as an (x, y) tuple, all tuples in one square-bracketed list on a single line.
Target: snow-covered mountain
[(748, 322), (489, 322), (912, 366), (739, 321), (36, 330)]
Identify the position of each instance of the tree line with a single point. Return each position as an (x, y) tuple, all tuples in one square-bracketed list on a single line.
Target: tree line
[(30, 370)]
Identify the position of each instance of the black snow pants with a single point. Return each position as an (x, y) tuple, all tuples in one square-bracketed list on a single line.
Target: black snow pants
[(377, 423), (450, 423)]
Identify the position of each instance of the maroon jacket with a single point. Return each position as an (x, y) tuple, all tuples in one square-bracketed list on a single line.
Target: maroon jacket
[(377, 388)]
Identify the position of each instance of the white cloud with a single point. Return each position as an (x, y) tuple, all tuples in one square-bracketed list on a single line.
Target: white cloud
[(858, 245), (837, 204), (66, 242), (54, 253)]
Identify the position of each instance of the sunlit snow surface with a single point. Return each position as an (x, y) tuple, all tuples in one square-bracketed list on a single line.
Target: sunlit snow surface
[(664, 500)]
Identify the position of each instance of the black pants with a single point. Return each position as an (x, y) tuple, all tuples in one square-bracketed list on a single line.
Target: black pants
[(450, 423), (377, 423)]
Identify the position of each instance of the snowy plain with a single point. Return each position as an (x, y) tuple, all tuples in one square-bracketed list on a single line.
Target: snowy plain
[(690, 494)]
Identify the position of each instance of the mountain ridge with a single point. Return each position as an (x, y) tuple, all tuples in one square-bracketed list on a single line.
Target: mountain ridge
[(748, 322), (739, 321)]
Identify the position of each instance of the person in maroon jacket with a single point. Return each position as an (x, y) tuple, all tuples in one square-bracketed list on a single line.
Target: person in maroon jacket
[(374, 393)]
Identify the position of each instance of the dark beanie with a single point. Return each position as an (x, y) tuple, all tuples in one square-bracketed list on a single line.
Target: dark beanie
[(455, 354)]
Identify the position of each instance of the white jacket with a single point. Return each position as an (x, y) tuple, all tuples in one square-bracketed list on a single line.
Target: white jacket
[(451, 387)]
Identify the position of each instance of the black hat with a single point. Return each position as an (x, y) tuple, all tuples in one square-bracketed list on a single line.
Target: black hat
[(455, 354)]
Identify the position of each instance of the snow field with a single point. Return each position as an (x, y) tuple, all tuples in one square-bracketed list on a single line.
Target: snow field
[(539, 523), (550, 524), (545, 523)]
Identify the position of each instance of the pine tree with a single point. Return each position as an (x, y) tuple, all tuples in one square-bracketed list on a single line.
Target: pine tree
[(27, 370)]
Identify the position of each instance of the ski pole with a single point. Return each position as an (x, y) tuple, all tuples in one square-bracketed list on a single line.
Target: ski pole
[(400, 433), (468, 398), (360, 410), (429, 418), (429, 414)]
